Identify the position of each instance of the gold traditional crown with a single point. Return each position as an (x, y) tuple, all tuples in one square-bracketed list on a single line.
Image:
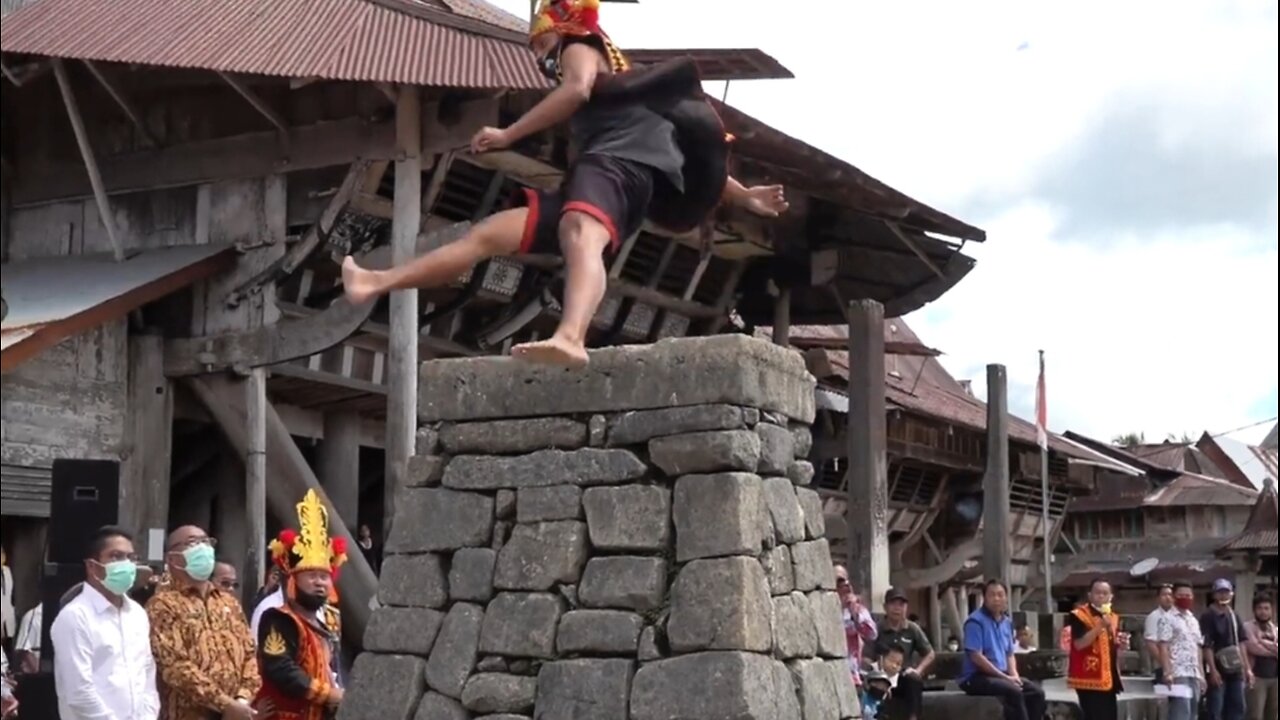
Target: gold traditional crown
[(310, 548)]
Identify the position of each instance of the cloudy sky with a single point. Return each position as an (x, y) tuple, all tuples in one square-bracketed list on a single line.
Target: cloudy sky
[(1120, 156)]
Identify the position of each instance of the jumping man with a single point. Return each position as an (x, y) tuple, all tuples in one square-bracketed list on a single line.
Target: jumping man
[(631, 159)]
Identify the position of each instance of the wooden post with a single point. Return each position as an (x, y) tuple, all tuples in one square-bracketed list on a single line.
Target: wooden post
[(86, 153), (338, 464), (935, 618), (144, 492), (866, 477), (782, 318), (996, 555), (255, 466), (402, 355)]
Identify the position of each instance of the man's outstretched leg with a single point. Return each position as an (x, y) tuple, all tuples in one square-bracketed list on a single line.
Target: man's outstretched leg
[(497, 235), (583, 240)]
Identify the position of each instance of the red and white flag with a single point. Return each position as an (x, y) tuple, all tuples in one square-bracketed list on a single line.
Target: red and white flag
[(1042, 410)]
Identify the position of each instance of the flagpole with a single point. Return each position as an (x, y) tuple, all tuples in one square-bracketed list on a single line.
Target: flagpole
[(1042, 419)]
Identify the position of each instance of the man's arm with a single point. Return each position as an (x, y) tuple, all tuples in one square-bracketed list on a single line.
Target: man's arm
[(176, 668), (1242, 637), (277, 648), (250, 678), (73, 668), (1013, 667), (151, 693), (579, 65), (1082, 637), (1253, 641)]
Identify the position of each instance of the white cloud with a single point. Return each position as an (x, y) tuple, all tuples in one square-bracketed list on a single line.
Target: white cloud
[(967, 105)]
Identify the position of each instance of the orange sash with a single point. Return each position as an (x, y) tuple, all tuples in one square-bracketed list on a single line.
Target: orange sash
[(313, 658), (1090, 668)]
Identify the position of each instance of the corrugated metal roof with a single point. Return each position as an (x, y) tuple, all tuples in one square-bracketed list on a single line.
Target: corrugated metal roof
[(920, 383), (1192, 560), (1191, 489), (1255, 463), (49, 298), (719, 63), (396, 41), (1260, 534), (489, 13)]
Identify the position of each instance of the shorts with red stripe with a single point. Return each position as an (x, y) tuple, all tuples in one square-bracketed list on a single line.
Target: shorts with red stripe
[(614, 191)]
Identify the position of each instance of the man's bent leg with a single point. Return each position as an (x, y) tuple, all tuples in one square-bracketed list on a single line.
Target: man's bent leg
[(1008, 692), (583, 241), (498, 234), (910, 696), (1033, 700)]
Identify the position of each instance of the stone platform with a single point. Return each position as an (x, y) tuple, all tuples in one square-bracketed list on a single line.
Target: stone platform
[(634, 541)]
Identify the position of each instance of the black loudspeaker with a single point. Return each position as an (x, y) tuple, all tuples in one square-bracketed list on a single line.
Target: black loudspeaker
[(84, 497), (58, 579)]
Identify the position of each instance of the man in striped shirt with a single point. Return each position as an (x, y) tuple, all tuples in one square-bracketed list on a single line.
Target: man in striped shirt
[(859, 626)]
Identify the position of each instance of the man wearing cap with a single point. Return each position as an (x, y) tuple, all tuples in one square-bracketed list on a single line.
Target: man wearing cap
[(1226, 655), (896, 629)]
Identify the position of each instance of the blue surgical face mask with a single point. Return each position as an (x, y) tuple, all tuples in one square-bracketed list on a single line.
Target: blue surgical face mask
[(199, 561), (118, 577)]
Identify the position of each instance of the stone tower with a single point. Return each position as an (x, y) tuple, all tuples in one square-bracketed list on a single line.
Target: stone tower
[(634, 541)]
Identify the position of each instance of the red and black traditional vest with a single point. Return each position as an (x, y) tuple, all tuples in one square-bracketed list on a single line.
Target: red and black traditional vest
[(1091, 668)]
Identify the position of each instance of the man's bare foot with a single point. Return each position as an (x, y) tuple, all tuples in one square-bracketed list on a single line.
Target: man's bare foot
[(358, 284), (552, 351)]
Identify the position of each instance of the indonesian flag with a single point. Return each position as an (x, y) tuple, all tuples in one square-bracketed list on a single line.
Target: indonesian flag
[(1042, 410)]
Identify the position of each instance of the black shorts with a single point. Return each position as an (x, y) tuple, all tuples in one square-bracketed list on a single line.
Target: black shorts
[(615, 192)]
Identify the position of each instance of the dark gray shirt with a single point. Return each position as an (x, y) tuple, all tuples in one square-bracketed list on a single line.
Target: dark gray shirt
[(910, 637), (632, 132)]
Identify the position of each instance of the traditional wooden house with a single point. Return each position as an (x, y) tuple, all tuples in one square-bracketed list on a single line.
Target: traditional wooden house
[(937, 434), (1253, 552), (180, 179), (1174, 519)]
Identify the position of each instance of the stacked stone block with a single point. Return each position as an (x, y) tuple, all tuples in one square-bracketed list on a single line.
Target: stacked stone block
[(634, 541)]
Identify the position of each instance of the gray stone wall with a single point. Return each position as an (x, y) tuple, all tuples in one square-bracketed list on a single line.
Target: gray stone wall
[(634, 541)]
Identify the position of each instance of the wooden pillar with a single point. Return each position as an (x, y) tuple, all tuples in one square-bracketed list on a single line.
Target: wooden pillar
[(996, 555), (144, 487), (255, 475), (231, 520), (1246, 586), (866, 476), (782, 318), (338, 464), (936, 634), (402, 355)]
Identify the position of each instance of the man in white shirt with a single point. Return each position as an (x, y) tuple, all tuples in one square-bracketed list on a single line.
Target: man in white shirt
[(1151, 628), (102, 660), (1180, 654), (274, 600)]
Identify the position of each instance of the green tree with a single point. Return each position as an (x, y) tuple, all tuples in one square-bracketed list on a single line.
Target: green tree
[(1129, 439)]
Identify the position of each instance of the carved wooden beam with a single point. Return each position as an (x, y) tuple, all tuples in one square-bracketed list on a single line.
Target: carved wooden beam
[(939, 574), (281, 342)]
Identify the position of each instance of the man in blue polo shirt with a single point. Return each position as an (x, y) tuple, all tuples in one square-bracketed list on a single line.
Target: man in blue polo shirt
[(990, 667)]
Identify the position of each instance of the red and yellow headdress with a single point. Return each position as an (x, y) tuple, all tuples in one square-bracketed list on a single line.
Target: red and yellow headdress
[(310, 548), (576, 18)]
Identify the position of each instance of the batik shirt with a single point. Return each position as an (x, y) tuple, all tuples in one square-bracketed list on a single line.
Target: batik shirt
[(204, 652), (1181, 630)]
